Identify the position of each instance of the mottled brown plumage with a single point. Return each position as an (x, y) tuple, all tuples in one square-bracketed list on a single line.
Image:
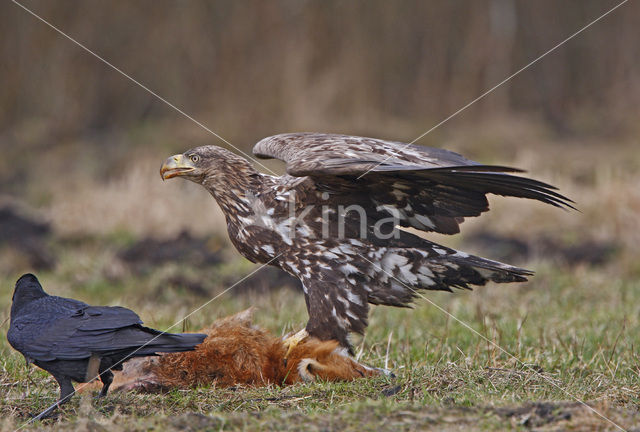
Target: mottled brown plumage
[(332, 220)]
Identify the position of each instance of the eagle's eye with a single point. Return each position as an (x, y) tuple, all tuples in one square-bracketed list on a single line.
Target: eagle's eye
[(194, 158)]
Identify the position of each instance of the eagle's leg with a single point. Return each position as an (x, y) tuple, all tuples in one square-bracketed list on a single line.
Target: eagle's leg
[(292, 341)]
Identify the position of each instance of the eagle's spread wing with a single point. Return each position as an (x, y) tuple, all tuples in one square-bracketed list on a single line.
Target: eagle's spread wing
[(425, 188)]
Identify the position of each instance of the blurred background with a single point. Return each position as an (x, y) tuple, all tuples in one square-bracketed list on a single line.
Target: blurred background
[(81, 198)]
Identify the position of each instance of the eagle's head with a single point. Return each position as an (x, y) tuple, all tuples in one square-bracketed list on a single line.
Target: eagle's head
[(195, 164), (215, 168)]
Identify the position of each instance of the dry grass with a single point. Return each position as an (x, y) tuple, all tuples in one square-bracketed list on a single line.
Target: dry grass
[(138, 202)]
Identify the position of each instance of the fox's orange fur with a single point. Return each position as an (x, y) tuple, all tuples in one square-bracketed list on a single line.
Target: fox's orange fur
[(237, 353)]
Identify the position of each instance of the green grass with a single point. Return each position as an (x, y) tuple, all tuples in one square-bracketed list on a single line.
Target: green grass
[(572, 334)]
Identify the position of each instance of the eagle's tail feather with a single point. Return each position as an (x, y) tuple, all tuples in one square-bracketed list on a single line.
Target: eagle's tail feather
[(403, 272)]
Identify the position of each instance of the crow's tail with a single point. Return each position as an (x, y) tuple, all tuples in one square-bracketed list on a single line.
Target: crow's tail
[(171, 342)]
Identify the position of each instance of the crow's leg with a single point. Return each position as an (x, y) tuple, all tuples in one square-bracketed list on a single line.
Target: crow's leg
[(66, 392), (107, 378)]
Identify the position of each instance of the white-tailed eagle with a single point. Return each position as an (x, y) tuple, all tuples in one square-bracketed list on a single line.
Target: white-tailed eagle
[(333, 220)]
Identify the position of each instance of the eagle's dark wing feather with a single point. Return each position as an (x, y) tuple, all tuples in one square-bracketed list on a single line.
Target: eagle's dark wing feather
[(425, 188)]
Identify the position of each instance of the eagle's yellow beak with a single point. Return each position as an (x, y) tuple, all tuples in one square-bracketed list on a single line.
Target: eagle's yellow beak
[(175, 166)]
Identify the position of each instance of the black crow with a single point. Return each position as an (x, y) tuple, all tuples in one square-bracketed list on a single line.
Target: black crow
[(75, 341)]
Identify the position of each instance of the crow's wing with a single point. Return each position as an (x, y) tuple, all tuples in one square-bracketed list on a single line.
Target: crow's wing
[(78, 333), (103, 330), (425, 188)]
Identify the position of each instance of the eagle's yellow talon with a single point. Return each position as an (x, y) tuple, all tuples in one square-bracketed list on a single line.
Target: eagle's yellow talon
[(292, 341)]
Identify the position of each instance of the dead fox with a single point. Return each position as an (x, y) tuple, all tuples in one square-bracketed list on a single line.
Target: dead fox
[(236, 352)]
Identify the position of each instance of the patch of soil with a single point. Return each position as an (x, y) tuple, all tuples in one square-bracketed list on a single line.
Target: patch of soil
[(536, 414), (264, 280), (520, 249), (27, 236), (150, 252), (191, 285)]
